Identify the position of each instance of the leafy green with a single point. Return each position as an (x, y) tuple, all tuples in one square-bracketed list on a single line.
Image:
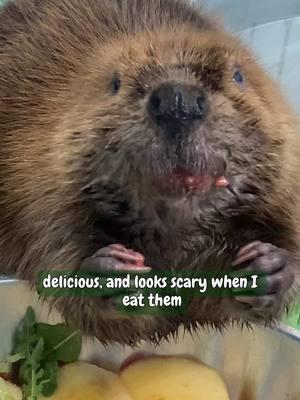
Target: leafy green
[(292, 318), (25, 336), (49, 378), (61, 344), (37, 350)]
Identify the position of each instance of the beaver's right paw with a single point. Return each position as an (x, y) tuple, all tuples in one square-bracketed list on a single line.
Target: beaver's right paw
[(115, 258)]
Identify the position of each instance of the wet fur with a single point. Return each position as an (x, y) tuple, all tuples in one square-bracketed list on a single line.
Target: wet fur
[(77, 160)]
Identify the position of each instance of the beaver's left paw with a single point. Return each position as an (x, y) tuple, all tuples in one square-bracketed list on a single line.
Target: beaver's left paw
[(274, 270)]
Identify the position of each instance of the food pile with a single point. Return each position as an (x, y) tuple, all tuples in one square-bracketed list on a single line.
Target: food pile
[(48, 368)]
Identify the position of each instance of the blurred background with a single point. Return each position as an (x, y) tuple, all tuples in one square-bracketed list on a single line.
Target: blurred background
[(272, 29)]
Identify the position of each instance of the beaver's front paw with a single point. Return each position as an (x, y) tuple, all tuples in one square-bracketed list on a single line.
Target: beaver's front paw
[(115, 259), (274, 270)]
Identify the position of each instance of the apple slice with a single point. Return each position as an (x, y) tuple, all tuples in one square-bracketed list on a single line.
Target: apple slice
[(172, 378), (135, 357)]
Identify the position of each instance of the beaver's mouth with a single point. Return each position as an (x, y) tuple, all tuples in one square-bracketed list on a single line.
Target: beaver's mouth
[(184, 179)]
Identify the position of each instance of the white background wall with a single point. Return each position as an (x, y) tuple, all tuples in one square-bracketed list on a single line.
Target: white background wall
[(243, 14), (278, 47)]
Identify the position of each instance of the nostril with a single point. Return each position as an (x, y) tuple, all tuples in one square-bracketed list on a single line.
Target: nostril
[(175, 106), (201, 102), (155, 102)]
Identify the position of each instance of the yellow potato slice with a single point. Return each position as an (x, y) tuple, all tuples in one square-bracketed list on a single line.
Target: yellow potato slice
[(172, 378), (9, 391), (81, 381)]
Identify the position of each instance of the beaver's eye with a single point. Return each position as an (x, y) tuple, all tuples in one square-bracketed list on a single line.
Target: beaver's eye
[(238, 77), (116, 84)]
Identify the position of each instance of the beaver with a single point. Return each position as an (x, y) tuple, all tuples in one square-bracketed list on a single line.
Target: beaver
[(140, 135)]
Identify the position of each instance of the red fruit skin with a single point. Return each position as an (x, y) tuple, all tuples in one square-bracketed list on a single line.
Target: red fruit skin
[(6, 377), (136, 357)]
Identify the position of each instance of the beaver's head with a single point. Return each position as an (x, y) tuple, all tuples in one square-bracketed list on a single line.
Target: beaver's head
[(178, 115)]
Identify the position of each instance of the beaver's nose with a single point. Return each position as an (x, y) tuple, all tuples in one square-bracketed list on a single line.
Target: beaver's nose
[(177, 105)]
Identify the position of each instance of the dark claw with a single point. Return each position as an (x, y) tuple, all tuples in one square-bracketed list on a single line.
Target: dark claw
[(272, 265), (265, 265), (258, 303), (253, 251), (280, 282), (246, 249)]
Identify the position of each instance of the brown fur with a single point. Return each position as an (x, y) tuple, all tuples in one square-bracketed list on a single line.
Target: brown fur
[(59, 121)]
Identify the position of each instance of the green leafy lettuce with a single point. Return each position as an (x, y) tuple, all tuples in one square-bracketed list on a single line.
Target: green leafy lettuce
[(38, 349)]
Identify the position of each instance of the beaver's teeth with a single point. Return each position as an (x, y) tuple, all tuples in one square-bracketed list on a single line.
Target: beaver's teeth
[(190, 181), (222, 182)]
